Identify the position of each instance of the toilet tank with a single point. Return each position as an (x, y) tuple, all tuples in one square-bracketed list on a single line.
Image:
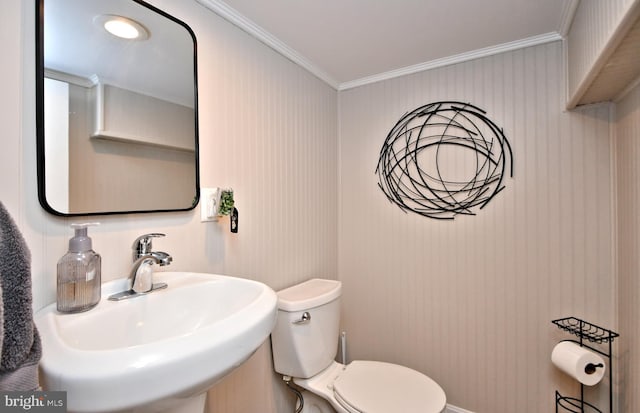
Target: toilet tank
[(303, 348)]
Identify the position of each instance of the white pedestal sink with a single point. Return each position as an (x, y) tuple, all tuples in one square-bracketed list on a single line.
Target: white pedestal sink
[(157, 352)]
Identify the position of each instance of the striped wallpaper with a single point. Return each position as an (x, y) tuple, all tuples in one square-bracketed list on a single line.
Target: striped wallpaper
[(628, 193), (469, 302)]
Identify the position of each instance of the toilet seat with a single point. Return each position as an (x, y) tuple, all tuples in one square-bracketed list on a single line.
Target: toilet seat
[(378, 387)]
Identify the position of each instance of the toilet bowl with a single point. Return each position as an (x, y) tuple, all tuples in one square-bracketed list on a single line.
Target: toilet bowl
[(305, 342)]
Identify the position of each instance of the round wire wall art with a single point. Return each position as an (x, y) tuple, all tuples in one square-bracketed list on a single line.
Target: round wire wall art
[(444, 159)]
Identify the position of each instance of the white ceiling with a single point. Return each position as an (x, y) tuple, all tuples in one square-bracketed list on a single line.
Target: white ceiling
[(350, 41)]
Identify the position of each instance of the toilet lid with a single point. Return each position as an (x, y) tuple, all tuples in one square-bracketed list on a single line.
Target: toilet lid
[(377, 387)]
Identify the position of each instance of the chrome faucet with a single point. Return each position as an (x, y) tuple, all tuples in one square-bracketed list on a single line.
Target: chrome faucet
[(141, 274)]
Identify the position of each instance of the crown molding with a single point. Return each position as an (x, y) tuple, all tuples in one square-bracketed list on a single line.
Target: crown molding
[(233, 16), (459, 58)]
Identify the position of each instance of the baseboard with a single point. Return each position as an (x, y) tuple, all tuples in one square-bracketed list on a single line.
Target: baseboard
[(454, 409)]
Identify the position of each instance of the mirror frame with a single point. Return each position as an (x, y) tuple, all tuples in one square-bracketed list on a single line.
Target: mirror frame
[(40, 138)]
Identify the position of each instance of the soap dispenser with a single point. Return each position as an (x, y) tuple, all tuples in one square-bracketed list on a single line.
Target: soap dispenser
[(79, 274)]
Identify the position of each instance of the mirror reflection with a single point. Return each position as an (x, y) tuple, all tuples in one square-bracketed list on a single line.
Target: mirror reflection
[(117, 111)]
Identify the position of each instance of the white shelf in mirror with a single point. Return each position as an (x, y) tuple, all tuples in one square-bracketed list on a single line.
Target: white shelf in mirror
[(125, 116)]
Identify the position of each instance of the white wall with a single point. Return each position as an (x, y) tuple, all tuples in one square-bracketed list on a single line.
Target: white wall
[(628, 192), (267, 129), (469, 302), (57, 142)]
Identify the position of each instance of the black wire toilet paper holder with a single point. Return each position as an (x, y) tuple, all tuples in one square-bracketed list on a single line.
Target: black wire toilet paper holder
[(586, 333)]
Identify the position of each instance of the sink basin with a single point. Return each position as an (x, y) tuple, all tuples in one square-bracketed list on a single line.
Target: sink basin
[(155, 350)]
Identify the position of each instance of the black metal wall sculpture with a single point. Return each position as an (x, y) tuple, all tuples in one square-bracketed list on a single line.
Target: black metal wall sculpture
[(444, 159)]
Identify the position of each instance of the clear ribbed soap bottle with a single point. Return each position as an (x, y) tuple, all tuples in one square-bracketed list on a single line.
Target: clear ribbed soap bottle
[(79, 271)]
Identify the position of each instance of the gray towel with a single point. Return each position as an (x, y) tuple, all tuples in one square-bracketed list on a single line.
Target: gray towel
[(21, 348)]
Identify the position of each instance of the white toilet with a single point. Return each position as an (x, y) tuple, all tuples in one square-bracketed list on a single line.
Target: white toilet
[(304, 344)]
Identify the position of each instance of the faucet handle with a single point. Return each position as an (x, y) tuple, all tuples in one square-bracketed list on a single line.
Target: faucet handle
[(142, 245)]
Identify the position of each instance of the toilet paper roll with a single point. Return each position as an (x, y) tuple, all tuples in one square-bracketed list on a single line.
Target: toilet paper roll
[(578, 362)]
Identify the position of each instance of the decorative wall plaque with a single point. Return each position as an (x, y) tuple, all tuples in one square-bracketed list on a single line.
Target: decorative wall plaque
[(444, 159)]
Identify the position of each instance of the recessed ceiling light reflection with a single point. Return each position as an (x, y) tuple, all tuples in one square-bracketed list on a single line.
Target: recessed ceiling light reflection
[(122, 27)]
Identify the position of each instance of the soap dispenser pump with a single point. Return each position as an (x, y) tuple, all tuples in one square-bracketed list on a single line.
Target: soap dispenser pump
[(79, 273)]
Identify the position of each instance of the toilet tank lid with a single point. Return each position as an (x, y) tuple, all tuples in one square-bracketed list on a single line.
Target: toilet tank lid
[(308, 294)]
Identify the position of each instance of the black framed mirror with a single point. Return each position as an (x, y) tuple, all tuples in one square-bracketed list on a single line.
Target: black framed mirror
[(117, 117)]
